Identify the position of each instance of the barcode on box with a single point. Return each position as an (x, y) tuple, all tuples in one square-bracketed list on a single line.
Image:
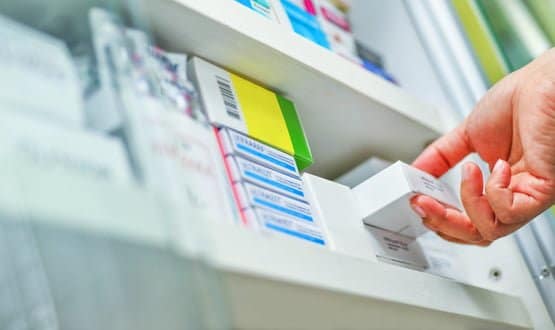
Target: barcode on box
[(231, 105)]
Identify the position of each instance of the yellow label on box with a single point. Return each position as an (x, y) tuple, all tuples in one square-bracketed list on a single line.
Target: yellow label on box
[(262, 114)]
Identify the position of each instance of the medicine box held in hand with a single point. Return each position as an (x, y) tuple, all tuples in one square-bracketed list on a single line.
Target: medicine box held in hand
[(384, 199), (234, 102)]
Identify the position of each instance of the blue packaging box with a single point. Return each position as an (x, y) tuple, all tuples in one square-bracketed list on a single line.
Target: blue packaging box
[(305, 23)]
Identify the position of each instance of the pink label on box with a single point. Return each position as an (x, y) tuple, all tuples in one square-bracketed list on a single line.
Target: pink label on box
[(309, 7)]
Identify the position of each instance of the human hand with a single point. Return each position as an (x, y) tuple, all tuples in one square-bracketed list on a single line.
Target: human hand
[(512, 129)]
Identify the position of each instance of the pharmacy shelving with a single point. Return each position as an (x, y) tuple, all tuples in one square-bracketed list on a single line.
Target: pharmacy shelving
[(265, 278), (348, 113)]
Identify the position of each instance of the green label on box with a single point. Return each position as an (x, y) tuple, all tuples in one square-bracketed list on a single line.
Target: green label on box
[(303, 156)]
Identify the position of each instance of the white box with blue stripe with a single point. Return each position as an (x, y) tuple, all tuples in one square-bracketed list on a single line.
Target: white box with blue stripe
[(253, 196), (234, 143), (286, 214), (245, 170), (275, 222)]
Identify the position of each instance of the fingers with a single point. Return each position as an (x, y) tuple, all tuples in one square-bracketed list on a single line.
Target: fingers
[(445, 152), (477, 205), (452, 239), (459, 241), (446, 220), (513, 204), (509, 202), (449, 224)]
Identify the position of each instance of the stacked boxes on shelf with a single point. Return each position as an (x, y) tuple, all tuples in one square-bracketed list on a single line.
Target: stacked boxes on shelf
[(263, 145), (324, 22), (244, 168), (234, 102), (268, 188), (173, 151), (248, 170), (332, 16)]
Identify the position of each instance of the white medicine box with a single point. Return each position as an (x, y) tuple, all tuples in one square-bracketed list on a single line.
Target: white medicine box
[(384, 199)]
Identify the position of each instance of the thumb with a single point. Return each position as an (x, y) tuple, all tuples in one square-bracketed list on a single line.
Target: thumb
[(445, 152)]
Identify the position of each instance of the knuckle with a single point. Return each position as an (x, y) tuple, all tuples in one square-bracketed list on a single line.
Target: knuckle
[(505, 216), (491, 234), (475, 235), (489, 188)]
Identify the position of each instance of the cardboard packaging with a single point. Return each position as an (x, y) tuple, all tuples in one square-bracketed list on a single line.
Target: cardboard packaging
[(384, 199), (268, 211), (178, 157), (234, 102), (274, 222), (234, 143), (338, 29), (304, 21), (27, 139), (336, 207), (243, 170), (38, 75), (271, 9), (251, 196)]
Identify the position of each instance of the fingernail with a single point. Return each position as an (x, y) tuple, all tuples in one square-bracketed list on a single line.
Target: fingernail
[(467, 169), (419, 211), (498, 166)]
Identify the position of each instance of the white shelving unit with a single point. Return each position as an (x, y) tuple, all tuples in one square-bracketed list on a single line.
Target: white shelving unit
[(348, 113), (315, 287)]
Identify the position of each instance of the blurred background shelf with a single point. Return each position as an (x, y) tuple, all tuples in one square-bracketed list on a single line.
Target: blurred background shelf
[(348, 113), (318, 288)]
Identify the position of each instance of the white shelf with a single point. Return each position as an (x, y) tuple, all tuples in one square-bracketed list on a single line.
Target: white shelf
[(271, 277), (271, 282), (349, 114)]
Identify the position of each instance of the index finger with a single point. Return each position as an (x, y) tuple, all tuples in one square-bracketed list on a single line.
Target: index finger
[(445, 152)]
